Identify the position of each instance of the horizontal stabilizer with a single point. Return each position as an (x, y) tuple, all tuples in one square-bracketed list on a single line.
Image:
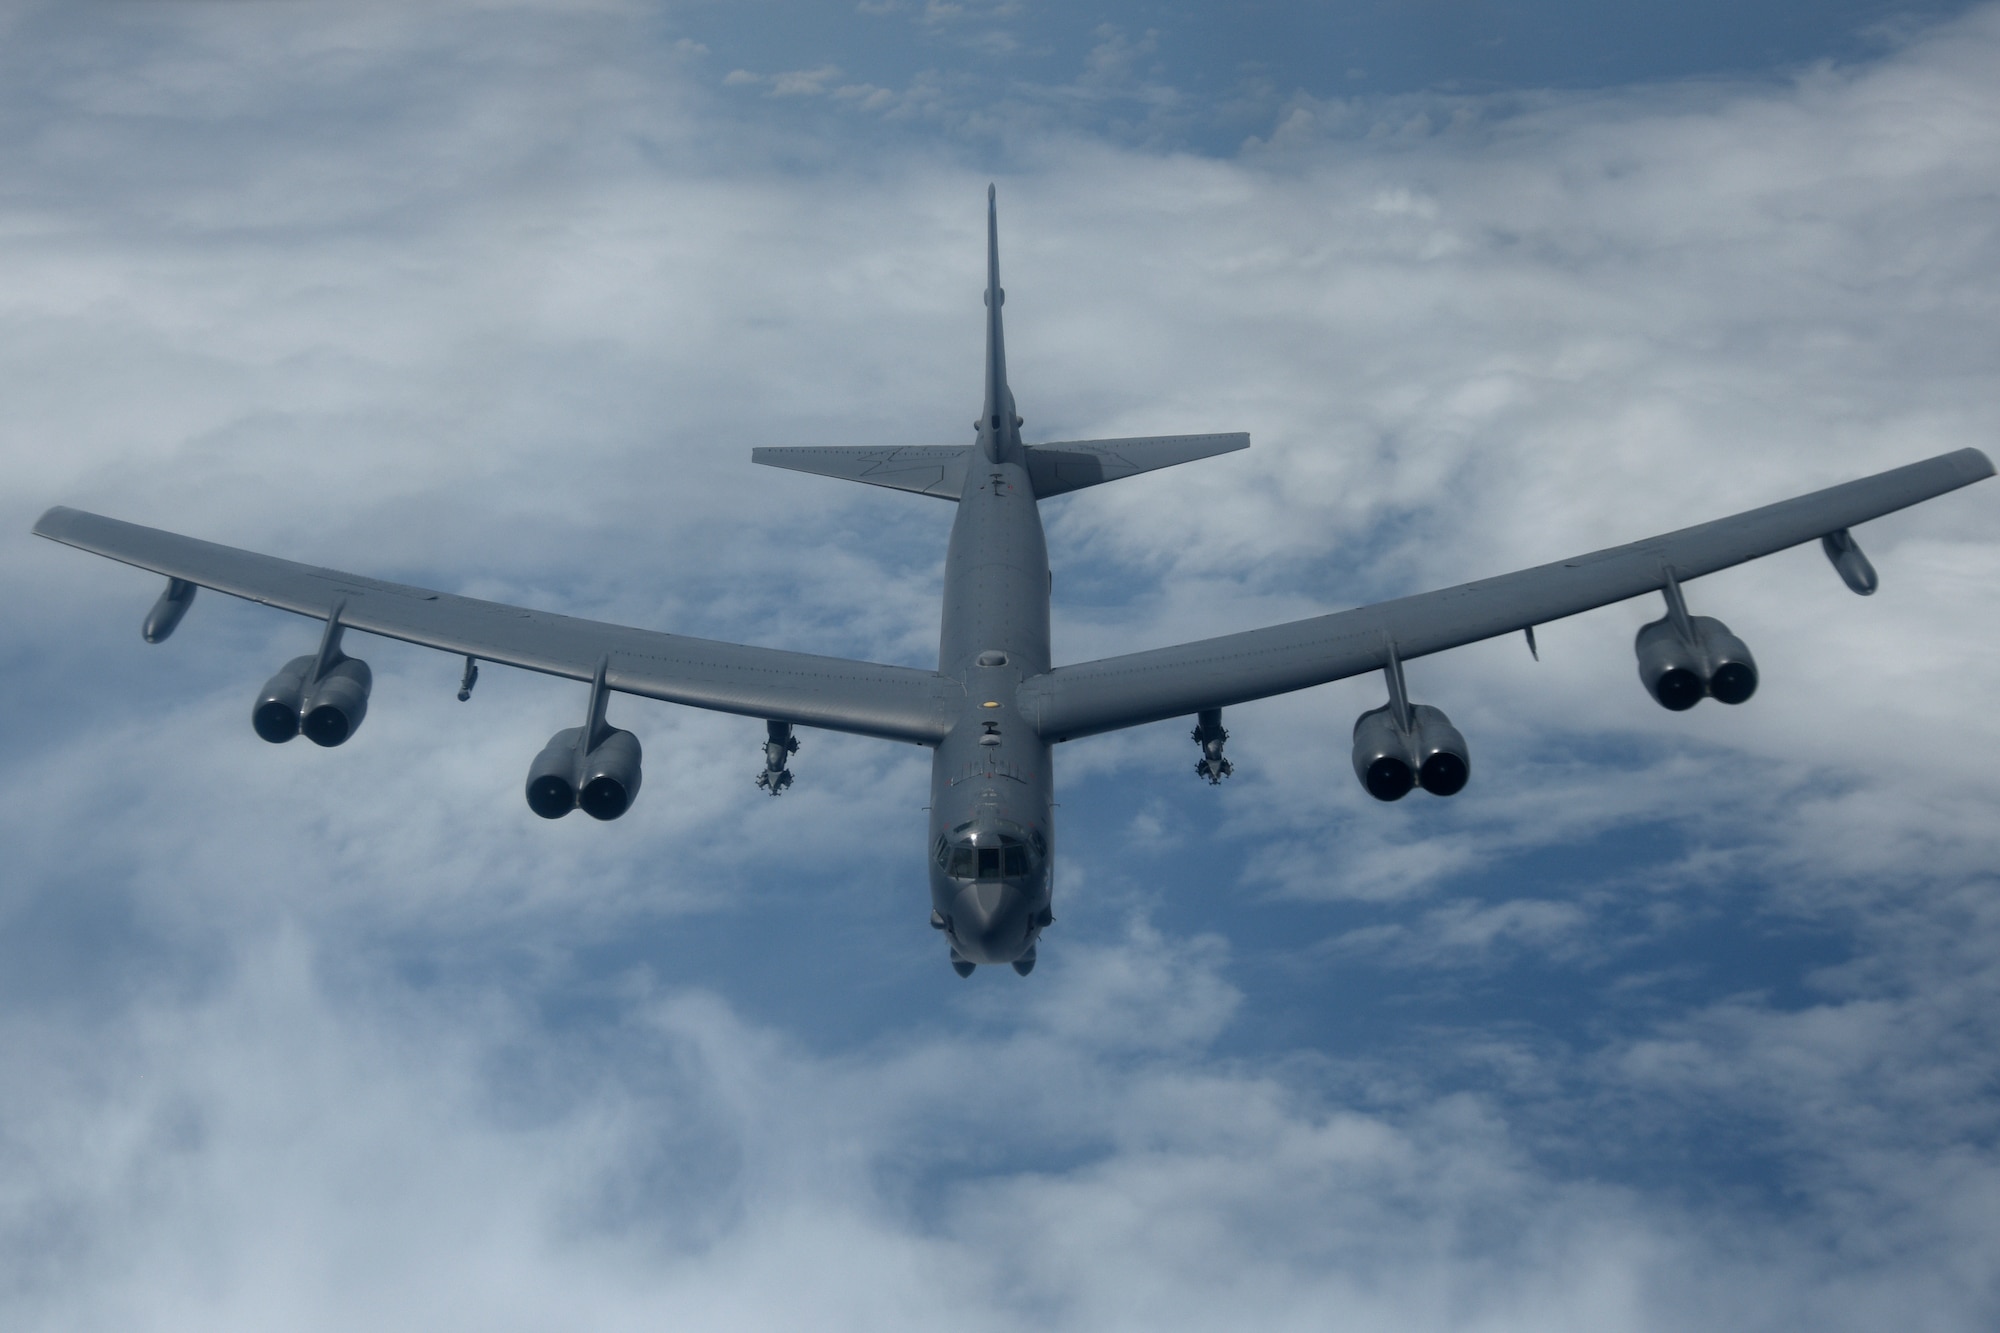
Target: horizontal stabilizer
[(926, 469), (1070, 465)]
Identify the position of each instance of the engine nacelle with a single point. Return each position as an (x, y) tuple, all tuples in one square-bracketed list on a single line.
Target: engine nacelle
[(1443, 763), (1732, 672), (1383, 757), (327, 710), (276, 712), (336, 702), (1390, 761), (1670, 666), (610, 778), (602, 782), (1679, 673)]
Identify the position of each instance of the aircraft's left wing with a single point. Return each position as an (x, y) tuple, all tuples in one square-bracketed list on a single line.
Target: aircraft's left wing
[(869, 698), (1125, 691)]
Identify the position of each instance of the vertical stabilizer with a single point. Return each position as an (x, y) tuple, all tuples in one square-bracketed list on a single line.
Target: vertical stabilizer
[(999, 436)]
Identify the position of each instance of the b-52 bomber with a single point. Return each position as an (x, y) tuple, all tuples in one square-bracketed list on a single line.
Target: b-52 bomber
[(997, 704)]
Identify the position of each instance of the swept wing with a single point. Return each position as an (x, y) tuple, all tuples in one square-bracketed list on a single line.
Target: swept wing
[(871, 699), (1143, 687)]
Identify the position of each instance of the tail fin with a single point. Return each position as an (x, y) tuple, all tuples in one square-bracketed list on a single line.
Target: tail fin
[(996, 421)]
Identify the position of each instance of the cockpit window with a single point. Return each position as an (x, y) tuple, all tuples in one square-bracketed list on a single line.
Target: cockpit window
[(1002, 856)]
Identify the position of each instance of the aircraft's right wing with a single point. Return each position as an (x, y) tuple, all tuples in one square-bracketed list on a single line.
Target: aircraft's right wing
[(869, 698), (1143, 687)]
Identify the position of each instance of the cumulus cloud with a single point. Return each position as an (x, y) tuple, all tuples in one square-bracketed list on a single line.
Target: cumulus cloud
[(1668, 1021)]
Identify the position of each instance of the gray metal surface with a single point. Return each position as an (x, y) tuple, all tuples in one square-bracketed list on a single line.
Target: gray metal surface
[(1125, 691), (925, 469), (1061, 466), (1055, 468), (895, 703)]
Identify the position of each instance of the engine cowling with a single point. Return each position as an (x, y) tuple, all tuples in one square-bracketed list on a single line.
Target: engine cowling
[(1443, 762), (1678, 673), (610, 778), (327, 710), (1383, 758), (337, 702), (1732, 671), (1390, 762), (277, 710), (552, 777), (601, 782)]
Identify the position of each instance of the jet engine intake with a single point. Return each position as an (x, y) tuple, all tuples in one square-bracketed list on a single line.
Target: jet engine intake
[(601, 781), (1443, 763), (324, 695), (1679, 672), (610, 777), (337, 702), (276, 712), (552, 777), (327, 710), (1384, 758), (1391, 761)]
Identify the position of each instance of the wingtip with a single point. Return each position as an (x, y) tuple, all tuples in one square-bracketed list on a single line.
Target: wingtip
[(53, 521), (1978, 463)]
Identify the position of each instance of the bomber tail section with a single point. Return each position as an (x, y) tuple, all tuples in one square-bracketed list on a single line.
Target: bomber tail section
[(1053, 469)]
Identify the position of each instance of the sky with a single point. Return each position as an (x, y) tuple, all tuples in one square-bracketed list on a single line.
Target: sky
[(1669, 1021)]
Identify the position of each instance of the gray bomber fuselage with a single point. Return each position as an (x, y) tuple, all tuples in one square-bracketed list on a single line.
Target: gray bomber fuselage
[(992, 788)]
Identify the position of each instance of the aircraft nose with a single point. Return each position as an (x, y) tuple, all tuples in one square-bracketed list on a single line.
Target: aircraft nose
[(990, 920)]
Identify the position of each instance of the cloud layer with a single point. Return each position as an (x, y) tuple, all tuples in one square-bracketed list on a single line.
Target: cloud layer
[(1669, 1021)]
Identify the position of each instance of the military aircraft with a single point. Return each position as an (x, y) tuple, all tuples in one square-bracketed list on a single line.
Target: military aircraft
[(997, 704)]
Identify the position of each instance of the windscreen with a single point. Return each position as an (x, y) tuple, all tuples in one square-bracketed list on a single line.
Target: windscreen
[(1006, 858)]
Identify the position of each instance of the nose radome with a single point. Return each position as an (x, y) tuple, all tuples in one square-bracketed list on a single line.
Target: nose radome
[(990, 921)]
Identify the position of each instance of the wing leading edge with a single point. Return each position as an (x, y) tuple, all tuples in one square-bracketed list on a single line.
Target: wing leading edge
[(868, 698), (1126, 691)]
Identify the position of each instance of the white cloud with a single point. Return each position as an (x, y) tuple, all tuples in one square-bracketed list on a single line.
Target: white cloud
[(498, 299)]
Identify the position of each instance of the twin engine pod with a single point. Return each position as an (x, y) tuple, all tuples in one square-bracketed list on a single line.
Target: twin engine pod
[(1390, 758), (1680, 666), (326, 710), (599, 779)]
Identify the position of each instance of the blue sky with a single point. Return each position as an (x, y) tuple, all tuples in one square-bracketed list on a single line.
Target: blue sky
[(1205, 77), (1668, 1021)]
